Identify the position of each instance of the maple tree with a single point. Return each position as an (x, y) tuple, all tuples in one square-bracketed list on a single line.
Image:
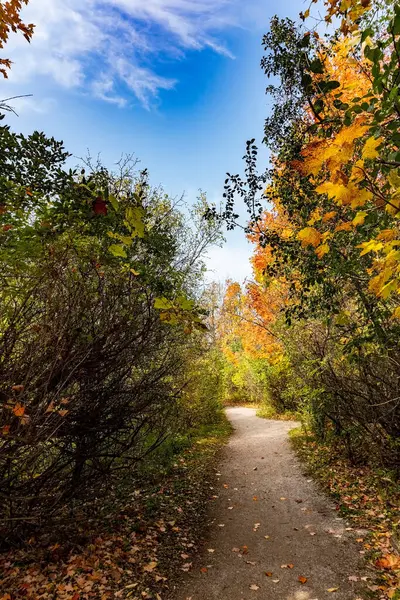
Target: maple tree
[(10, 21)]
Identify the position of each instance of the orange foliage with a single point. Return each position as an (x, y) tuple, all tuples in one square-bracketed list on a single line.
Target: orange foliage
[(10, 20)]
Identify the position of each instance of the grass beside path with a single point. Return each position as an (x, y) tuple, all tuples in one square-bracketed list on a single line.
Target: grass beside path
[(370, 499), (134, 551)]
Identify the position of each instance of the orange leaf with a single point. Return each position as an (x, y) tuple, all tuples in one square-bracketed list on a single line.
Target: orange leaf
[(62, 413), (268, 573), (5, 430), (18, 410), (303, 579)]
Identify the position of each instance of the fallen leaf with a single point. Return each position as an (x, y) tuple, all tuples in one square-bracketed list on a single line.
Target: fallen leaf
[(268, 573), (251, 562), (204, 569), (254, 587), (235, 549), (390, 561), (211, 550), (18, 388), (275, 580), (150, 567), (282, 498), (303, 579), (332, 589), (245, 549), (255, 498), (353, 578), (18, 410)]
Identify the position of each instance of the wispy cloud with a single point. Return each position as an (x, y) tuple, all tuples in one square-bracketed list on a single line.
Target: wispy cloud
[(111, 48)]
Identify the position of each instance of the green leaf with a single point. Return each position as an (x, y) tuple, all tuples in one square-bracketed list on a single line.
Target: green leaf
[(114, 202), (134, 218), (317, 66), (117, 250), (163, 304)]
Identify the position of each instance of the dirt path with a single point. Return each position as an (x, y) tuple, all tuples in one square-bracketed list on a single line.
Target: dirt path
[(262, 492)]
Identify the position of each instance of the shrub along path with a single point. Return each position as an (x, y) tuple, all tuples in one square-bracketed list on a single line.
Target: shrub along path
[(272, 535)]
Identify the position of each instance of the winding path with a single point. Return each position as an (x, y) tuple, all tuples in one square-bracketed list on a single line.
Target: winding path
[(266, 514)]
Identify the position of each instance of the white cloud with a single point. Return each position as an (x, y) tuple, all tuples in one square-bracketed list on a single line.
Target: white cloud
[(229, 262), (110, 48)]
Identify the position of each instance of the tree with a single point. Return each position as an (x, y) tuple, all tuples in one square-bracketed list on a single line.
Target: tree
[(10, 21)]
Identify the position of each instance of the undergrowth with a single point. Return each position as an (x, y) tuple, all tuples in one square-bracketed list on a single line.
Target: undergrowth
[(138, 544)]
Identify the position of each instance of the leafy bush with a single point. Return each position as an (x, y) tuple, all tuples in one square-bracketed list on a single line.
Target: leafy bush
[(101, 332)]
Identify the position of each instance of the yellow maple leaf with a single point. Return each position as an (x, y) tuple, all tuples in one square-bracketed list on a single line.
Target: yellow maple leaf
[(322, 250), (309, 237), (388, 288), (371, 246), (359, 218), (396, 313), (370, 148)]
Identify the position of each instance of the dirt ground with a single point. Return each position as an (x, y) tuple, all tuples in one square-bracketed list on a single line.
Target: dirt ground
[(272, 534)]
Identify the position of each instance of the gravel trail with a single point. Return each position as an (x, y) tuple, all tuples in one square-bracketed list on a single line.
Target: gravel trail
[(267, 514)]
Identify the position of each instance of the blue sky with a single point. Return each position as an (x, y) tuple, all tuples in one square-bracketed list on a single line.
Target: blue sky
[(176, 82)]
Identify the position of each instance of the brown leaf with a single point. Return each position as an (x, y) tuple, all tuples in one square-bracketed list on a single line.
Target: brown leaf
[(268, 573), (18, 388), (303, 579), (334, 589), (150, 567)]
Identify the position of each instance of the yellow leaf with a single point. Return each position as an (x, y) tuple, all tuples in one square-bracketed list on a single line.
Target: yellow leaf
[(315, 216), (335, 589), (388, 288), (371, 246), (322, 250), (370, 148), (309, 237), (359, 218)]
